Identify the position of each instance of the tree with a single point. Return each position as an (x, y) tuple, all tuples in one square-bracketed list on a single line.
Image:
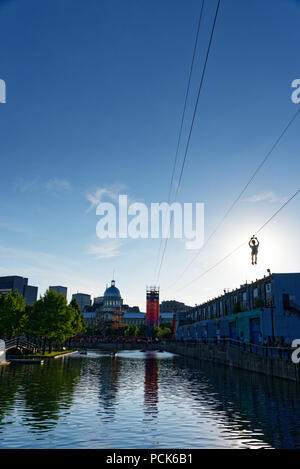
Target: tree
[(161, 332), (13, 316), (109, 331), (78, 324), (142, 330), (52, 319), (131, 331), (164, 325), (164, 333)]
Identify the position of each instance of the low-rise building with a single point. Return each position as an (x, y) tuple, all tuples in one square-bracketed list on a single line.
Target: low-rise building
[(266, 311), (132, 318)]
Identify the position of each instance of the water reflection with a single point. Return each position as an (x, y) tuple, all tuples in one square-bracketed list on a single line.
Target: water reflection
[(249, 402), (108, 386), (144, 400), (43, 392), (151, 386)]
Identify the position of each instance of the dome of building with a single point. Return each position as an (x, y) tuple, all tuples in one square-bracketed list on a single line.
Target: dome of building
[(112, 290)]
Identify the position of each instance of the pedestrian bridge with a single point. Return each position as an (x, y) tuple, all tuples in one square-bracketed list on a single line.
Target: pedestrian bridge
[(18, 343)]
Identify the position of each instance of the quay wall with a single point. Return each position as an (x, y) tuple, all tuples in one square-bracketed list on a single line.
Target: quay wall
[(231, 356)]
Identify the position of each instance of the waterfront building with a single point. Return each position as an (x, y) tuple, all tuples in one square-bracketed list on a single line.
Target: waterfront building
[(60, 290), (139, 318), (104, 307), (82, 300), (132, 318), (110, 309), (172, 306), (266, 311), (20, 284)]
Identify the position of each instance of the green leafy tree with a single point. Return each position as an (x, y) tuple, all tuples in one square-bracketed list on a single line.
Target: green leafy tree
[(77, 322), (164, 325), (142, 330), (131, 331), (13, 316), (52, 319), (164, 333), (155, 331), (109, 331)]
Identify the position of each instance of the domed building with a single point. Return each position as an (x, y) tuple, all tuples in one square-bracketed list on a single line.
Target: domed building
[(112, 298), (105, 307), (110, 310)]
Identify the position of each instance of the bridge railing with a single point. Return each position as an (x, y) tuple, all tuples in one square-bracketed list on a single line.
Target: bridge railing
[(283, 353), (21, 342)]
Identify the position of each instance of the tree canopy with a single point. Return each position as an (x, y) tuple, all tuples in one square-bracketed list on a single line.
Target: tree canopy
[(50, 317)]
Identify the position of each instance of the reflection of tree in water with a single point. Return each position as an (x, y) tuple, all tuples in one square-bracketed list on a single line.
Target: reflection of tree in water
[(108, 385), (266, 407), (151, 386), (45, 390), (9, 383)]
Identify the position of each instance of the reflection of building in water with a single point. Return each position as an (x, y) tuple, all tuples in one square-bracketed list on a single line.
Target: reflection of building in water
[(259, 408), (109, 384), (151, 386)]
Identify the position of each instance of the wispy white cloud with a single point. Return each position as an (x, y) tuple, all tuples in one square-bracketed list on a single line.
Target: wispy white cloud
[(52, 185), (11, 225), (56, 184), (265, 196), (96, 197), (26, 185), (105, 249)]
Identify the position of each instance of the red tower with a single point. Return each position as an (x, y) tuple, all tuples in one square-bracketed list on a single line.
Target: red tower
[(152, 314)]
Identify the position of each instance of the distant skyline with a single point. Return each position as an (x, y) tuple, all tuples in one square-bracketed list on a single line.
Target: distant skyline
[(95, 92)]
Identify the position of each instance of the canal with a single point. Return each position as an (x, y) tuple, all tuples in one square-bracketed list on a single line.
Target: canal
[(144, 400)]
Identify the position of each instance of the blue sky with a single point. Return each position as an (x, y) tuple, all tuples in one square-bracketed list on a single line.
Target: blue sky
[(95, 92)]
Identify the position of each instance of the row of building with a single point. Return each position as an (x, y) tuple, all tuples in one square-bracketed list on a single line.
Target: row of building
[(20, 284), (266, 311), (106, 309), (110, 309)]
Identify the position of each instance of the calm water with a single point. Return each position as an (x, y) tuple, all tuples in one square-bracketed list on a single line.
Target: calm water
[(144, 400)]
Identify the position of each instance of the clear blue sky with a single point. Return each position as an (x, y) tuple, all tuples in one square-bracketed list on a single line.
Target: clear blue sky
[(95, 91)]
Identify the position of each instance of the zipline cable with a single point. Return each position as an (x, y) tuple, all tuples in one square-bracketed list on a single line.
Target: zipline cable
[(183, 116), (241, 245), (191, 127), (239, 196)]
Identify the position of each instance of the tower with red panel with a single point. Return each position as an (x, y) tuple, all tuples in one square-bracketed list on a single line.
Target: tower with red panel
[(152, 312)]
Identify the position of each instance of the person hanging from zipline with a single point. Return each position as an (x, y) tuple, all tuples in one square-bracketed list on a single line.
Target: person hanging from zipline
[(254, 243)]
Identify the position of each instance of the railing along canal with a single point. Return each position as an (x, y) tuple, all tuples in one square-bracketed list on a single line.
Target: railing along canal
[(283, 353)]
